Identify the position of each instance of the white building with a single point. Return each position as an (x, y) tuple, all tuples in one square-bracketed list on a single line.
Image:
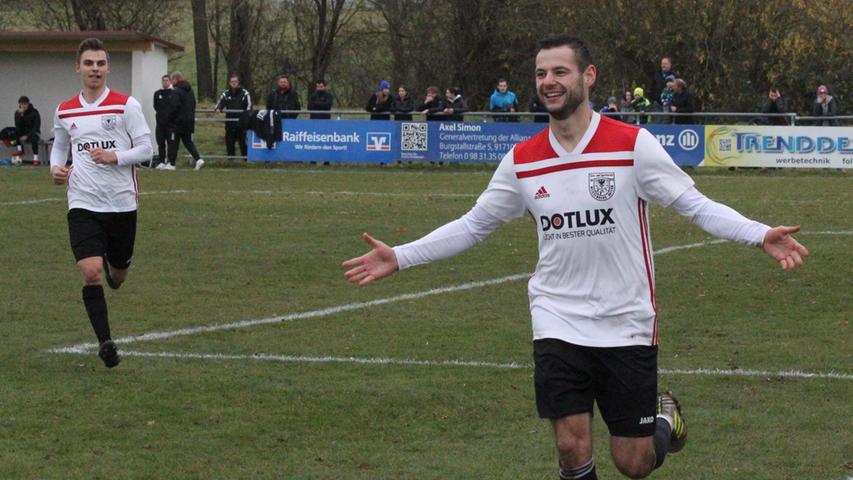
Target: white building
[(40, 65)]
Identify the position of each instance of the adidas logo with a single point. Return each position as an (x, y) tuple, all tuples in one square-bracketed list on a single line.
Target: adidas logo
[(541, 193), (73, 126)]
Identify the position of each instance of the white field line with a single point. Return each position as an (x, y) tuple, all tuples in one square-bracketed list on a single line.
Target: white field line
[(84, 347), (710, 372), (62, 199), (264, 192)]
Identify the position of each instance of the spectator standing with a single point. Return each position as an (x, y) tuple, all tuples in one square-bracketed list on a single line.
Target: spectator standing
[(402, 104), (666, 97), (825, 105), (27, 130), (432, 105), (320, 99), (775, 104), (284, 98), (380, 102), (682, 102), (181, 124), (640, 104), (536, 106), (454, 105), (238, 100), (611, 107), (625, 106), (659, 82), (162, 114), (503, 100)]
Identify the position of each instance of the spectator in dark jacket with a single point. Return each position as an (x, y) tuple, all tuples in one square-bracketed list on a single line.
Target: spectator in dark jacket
[(536, 106), (181, 124), (284, 98), (682, 101), (433, 105), (380, 102), (454, 104), (402, 104), (825, 105), (238, 100), (320, 99), (775, 104), (659, 82), (640, 104), (162, 114), (27, 129)]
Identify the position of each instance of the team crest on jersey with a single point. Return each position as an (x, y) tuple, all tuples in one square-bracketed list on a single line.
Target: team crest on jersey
[(602, 185), (108, 122)]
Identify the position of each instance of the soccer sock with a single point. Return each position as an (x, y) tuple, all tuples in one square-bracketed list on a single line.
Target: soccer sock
[(584, 472), (663, 435), (96, 307), (36, 157)]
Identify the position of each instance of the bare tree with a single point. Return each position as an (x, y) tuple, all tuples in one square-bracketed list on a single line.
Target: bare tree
[(202, 49), (146, 16), (318, 23)]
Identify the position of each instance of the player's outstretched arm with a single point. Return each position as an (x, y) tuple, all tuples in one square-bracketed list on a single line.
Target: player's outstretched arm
[(376, 264), (782, 247)]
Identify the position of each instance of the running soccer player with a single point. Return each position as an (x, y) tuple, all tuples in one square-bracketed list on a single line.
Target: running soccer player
[(107, 136), (587, 181)]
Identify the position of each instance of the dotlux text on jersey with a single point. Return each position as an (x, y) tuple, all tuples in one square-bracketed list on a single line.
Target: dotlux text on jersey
[(575, 222), (103, 144)]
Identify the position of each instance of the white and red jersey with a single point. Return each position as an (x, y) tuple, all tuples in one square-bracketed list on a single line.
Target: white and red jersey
[(113, 122), (594, 281)]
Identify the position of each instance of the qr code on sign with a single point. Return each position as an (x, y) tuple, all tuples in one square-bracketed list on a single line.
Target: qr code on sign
[(414, 137), (725, 144)]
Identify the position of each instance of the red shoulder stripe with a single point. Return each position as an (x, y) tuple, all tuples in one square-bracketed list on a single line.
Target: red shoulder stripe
[(612, 136), (535, 148), (71, 103), (115, 98)]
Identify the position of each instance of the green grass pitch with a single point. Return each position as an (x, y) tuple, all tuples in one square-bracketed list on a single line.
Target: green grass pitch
[(350, 390)]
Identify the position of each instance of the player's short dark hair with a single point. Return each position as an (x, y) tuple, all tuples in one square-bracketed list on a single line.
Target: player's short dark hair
[(233, 75), (320, 80), (94, 44), (24, 99), (582, 54)]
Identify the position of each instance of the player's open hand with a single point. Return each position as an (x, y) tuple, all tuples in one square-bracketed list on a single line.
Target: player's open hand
[(378, 263), (779, 244), (103, 157), (60, 175)]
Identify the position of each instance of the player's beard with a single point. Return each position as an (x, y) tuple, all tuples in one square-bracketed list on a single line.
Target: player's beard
[(574, 98)]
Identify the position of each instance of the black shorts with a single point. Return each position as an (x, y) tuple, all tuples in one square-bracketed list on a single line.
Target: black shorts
[(96, 234), (623, 380)]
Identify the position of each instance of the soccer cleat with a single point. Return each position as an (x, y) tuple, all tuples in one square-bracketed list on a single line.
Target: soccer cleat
[(109, 354), (160, 166), (198, 164), (668, 406), (112, 283)]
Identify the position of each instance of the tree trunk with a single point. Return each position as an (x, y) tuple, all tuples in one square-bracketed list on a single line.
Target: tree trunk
[(202, 50), (238, 58)]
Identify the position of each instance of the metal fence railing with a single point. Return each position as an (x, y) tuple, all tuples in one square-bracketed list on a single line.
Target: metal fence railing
[(755, 118)]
